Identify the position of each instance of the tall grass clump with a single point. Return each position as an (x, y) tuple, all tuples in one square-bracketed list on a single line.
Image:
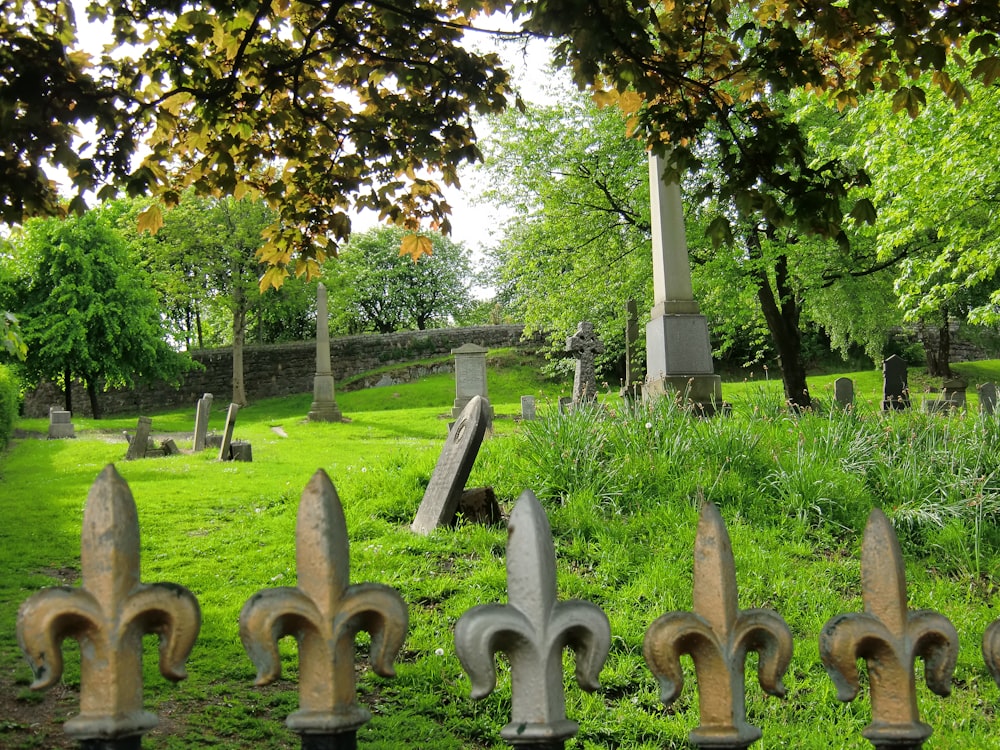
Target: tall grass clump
[(10, 399)]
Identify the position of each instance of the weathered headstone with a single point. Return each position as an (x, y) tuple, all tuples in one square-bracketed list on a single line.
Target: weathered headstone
[(678, 350), (225, 452), (324, 406), (170, 447), (953, 392), (60, 424), (453, 467), (843, 392), (140, 441), (479, 505), (988, 398), (241, 450), (565, 404), (895, 389), (470, 376), (201, 415), (527, 407), (584, 345)]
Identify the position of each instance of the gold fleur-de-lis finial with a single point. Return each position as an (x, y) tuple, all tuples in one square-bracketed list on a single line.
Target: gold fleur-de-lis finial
[(324, 613), (108, 615), (532, 630), (717, 635), (889, 637)]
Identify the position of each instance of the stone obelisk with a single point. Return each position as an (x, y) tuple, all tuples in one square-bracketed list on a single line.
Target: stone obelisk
[(324, 405), (678, 351)]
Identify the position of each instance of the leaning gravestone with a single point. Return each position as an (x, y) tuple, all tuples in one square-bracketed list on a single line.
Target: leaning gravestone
[(138, 444), (843, 392), (584, 345), (470, 376), (895, 390), (60, 425), (201, 414), (453, 467), (225, 452), (988, 398)]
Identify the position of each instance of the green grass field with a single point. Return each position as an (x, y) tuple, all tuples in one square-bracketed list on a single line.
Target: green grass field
[(622, 489)]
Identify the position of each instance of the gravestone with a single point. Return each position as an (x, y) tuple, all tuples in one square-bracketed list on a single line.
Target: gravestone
[(988, 398), (140, 441), (895, 390), (60, 424), (241, 450), (843, 392), (954, 392), (170, 447), (201, 415), (470, 377), (527, 407), (324, 406), (631, 339), (584, 345), (678, 350), (441, 498), (225, 449), (565, 404)]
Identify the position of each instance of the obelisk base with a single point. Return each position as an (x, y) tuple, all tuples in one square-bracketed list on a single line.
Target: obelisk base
[(324, 406), (679, 361)]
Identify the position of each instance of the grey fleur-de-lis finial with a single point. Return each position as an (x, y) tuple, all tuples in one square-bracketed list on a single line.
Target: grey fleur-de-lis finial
[(717, 635), (324, 613), (108, 615), (889, 637), (532, 630)]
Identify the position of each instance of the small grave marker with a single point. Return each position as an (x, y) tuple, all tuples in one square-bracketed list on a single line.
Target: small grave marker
[(225, 450), (202, 412), (895, 390), (843, 392), (470, 376), (60, 425), (140, 442), (988, 398), (441, 498), (528, 407), (584, 345)]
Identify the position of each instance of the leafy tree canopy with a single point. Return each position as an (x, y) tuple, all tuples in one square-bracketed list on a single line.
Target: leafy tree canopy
[(375, 288), (86, 309), (319, 108), (693, 75)]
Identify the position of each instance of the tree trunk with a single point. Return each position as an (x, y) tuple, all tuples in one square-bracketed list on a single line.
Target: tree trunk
[(782, 312), (197, 321), (95, 405), (239, 333), (68, 389), (937, 348)]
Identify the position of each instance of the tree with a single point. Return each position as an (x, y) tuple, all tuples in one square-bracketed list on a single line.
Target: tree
[(87, 312), (375, 288), (213, 244), (318, 108)]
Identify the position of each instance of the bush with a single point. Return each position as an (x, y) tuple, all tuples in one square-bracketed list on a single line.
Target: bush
[(10, 399)]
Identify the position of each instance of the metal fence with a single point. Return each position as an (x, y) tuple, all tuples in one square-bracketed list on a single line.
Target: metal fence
[(112, 610)]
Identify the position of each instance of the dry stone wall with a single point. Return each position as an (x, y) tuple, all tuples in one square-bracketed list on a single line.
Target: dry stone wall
[(285, 369)]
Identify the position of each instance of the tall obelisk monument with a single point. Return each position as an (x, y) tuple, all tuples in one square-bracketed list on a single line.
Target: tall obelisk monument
[(678, 351), (324, 406)]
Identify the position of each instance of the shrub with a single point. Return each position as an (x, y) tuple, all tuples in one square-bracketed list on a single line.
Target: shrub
[(10, 399)]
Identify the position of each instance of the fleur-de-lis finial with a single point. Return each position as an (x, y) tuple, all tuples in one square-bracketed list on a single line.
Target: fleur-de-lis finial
[(324, 613), (108, 615), (717, 635), (532, 630), (889, 637)]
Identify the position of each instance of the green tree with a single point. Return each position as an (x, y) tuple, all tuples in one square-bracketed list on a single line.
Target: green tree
[(206, 253), (373, 287), (86, 308)]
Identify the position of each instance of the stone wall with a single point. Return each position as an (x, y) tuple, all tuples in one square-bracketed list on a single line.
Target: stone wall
[(282, 369)]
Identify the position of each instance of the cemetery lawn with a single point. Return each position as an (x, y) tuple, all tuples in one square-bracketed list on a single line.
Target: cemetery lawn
[(622, 487)]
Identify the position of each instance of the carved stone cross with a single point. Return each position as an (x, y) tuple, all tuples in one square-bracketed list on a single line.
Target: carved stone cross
[(584, 345)]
